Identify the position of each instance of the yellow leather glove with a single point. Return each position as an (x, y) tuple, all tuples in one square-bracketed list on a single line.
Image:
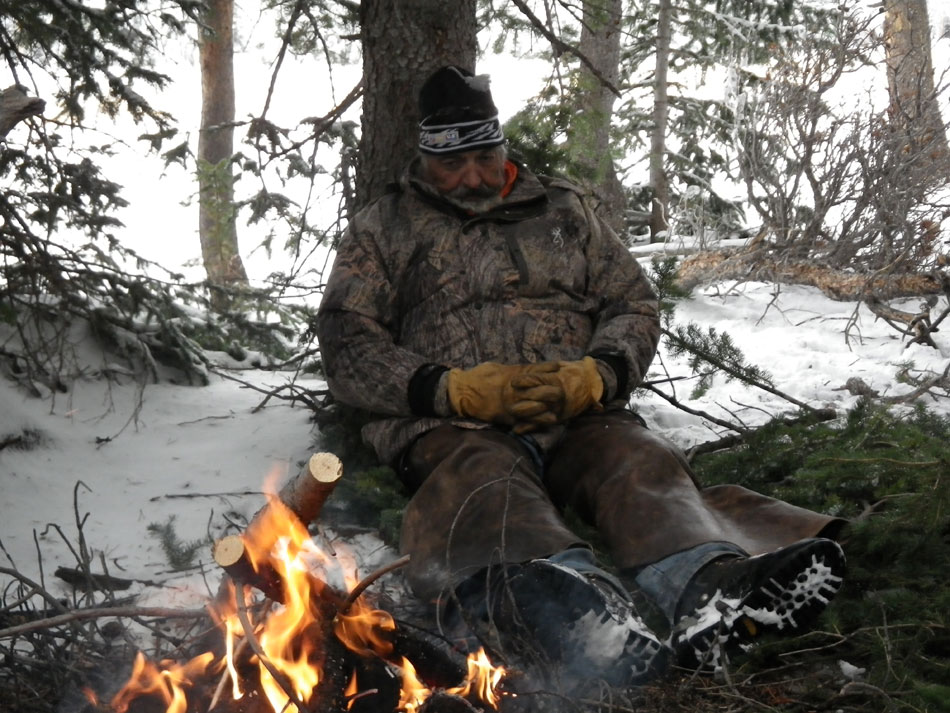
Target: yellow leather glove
[(578, 382), (486, 392)]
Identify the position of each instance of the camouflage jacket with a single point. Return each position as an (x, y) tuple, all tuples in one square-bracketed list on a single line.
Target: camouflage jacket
[(418, 283)]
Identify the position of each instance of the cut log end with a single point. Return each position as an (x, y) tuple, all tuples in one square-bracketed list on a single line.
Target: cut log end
[(325, 467), (228, 551)]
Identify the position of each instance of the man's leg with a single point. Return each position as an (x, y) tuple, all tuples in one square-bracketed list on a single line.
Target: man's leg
[(478, 502), (640, 493), (487, 541), (689, 547)]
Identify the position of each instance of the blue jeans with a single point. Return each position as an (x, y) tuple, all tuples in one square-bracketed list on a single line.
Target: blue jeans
[(665, 580)]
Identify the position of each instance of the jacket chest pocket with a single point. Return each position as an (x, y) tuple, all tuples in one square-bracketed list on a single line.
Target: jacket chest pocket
[(549, 257)]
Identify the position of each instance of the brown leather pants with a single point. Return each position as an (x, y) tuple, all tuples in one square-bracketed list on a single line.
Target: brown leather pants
[(480, 500)]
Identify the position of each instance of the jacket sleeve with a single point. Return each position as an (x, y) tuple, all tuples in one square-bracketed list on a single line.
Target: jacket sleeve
[(357, 325), (627, 325)]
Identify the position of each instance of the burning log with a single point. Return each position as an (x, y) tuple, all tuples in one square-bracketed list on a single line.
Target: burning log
[(232, 556), (337, 632), (304, 496), (442, 702)]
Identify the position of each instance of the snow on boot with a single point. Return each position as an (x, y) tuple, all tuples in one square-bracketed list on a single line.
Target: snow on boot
[(733, 600), (582, 625)]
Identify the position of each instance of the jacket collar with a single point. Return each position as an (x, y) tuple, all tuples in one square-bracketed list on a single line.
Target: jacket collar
[(527, 197)]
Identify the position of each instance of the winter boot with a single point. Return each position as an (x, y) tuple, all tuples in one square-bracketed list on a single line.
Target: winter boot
[(733, 600), (582, 626)]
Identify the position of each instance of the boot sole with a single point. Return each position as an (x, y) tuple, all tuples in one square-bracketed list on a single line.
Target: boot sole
[(793, 595)]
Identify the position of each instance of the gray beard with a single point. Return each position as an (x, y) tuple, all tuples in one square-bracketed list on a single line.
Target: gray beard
[(474, 200), (474, 205)]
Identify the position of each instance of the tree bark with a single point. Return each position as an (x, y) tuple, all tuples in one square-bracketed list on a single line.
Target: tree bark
[(404, 41), (910, 81), (217, 224), (589, 132), (659, 219)]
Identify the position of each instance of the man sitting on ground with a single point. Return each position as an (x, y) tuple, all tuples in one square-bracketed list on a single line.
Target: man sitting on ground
[(497, 328)]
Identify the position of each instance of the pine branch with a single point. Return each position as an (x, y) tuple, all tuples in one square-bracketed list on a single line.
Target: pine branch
[(725, 357), (560, 47)]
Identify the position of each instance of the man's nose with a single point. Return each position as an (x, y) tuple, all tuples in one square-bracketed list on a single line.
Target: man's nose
[(471, 178)]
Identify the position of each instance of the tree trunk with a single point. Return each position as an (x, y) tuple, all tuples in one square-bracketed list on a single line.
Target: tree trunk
[(910, 82), (589, 133), (404, 41), (216, 212), (659, 219)]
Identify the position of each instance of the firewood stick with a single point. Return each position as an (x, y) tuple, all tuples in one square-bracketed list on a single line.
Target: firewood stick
[(101, 613), (369, 579), (304, 495), (231, 555), (255, 645)]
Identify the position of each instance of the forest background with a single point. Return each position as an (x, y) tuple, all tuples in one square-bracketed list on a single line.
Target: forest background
[(785, 143)]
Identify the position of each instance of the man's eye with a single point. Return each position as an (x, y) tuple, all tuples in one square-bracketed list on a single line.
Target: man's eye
[(450, 165)]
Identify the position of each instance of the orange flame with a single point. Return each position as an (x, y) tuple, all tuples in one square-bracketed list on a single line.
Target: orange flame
[(290, 634), (482, 680), (413, 693), (283, 544), (363, 630), (149, 680)]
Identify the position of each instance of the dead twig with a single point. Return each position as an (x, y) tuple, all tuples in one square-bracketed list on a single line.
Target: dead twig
[(694, 412), (560, 47), (925, 387), (101, 613), (369, 579), (226, 494), (255, 645)]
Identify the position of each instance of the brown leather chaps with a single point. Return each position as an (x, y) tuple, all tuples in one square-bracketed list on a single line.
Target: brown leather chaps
[(480, 499)]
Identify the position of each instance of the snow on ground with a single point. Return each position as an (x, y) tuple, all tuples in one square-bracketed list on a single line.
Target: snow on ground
[(798, 336), (210, 444), (187, 441)]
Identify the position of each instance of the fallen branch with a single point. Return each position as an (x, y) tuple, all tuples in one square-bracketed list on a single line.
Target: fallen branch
[(225, 494), (101, 613), (927, 385), (825, 414), (694, 412), (101, 582)]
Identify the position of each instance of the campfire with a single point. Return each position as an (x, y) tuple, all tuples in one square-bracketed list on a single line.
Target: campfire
[(290, 639)]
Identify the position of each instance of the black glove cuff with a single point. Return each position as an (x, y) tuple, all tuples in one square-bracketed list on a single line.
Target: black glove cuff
[(423, 387), (618, 365)]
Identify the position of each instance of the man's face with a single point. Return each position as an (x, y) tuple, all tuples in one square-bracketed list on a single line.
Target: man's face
[(471, 179)]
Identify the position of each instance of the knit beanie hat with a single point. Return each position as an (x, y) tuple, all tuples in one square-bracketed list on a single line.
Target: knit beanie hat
[(457, 112)]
